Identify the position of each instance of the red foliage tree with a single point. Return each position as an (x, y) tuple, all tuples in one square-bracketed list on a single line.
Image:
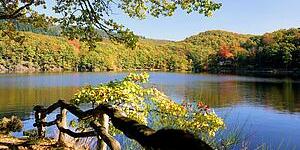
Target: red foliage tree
[(225, 52), (75, 44)]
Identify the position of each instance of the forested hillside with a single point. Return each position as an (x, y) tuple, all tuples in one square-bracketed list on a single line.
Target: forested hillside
[(208, 51), (51, 53), (204, 49), (221, 51)]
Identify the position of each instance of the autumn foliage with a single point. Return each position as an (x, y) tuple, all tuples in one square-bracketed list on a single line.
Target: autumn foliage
[(76, 44), (203, 52), (225, 52)]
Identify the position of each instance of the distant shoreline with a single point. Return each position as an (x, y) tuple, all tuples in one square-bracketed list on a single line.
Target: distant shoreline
[(262, 72)]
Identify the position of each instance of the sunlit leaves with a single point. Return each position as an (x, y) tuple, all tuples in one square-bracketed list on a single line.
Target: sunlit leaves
[(85, 19), (156, 8), (188, 116), (137, 102), (279, 49), (126, 94)]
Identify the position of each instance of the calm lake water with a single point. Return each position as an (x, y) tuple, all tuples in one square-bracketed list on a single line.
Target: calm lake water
[(266, 110)]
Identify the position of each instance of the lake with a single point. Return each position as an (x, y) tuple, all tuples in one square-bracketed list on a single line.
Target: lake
[(265, 110)]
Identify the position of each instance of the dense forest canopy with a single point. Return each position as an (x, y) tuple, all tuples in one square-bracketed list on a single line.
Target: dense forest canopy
[(205, 47), (207, 51)]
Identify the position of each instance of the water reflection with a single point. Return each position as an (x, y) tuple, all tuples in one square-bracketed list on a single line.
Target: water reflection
[(19, 93), (271, 106), (20, 101)]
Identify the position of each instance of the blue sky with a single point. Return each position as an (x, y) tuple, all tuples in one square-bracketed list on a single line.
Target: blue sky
[(242, 16)]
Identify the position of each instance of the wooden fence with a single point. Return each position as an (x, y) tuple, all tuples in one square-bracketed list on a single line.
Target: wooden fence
[(164, 139)]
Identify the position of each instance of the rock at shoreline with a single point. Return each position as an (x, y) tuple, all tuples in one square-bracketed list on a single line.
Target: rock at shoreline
[(3, 69), (8, 142)]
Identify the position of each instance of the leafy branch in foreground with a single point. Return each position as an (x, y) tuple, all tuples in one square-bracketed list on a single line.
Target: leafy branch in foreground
[(83, 19), (138, 102)]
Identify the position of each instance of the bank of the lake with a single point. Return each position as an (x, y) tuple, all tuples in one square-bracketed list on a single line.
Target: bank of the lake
[(260, 72), (8, 142)]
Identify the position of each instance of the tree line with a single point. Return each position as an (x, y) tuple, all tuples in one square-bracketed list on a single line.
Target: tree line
[(220, 50), (208, 51)]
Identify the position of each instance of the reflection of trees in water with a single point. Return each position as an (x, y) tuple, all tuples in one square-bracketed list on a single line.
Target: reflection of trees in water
[(215, 94), (20, 101), (282, 96)]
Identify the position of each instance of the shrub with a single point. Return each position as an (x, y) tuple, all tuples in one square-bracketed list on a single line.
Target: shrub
[(8, 125)]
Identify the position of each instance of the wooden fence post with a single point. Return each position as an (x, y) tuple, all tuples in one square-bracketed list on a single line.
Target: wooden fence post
[(40, 118), (63, 124), (104, 120), (43, 119)]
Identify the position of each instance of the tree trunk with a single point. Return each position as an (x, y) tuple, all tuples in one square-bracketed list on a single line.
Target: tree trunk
[(104, 119)]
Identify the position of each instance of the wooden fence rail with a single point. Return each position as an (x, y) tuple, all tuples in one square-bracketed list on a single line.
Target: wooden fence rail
[(164, 139)]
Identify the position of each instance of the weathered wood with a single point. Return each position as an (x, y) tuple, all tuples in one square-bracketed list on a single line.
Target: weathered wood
[(70, 132), (71, 108), (62, 124), (60, 121), (39, 118), (37, 122), (67, 131), (104, 123), (43, 119), (164, 139), (107, 138)]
